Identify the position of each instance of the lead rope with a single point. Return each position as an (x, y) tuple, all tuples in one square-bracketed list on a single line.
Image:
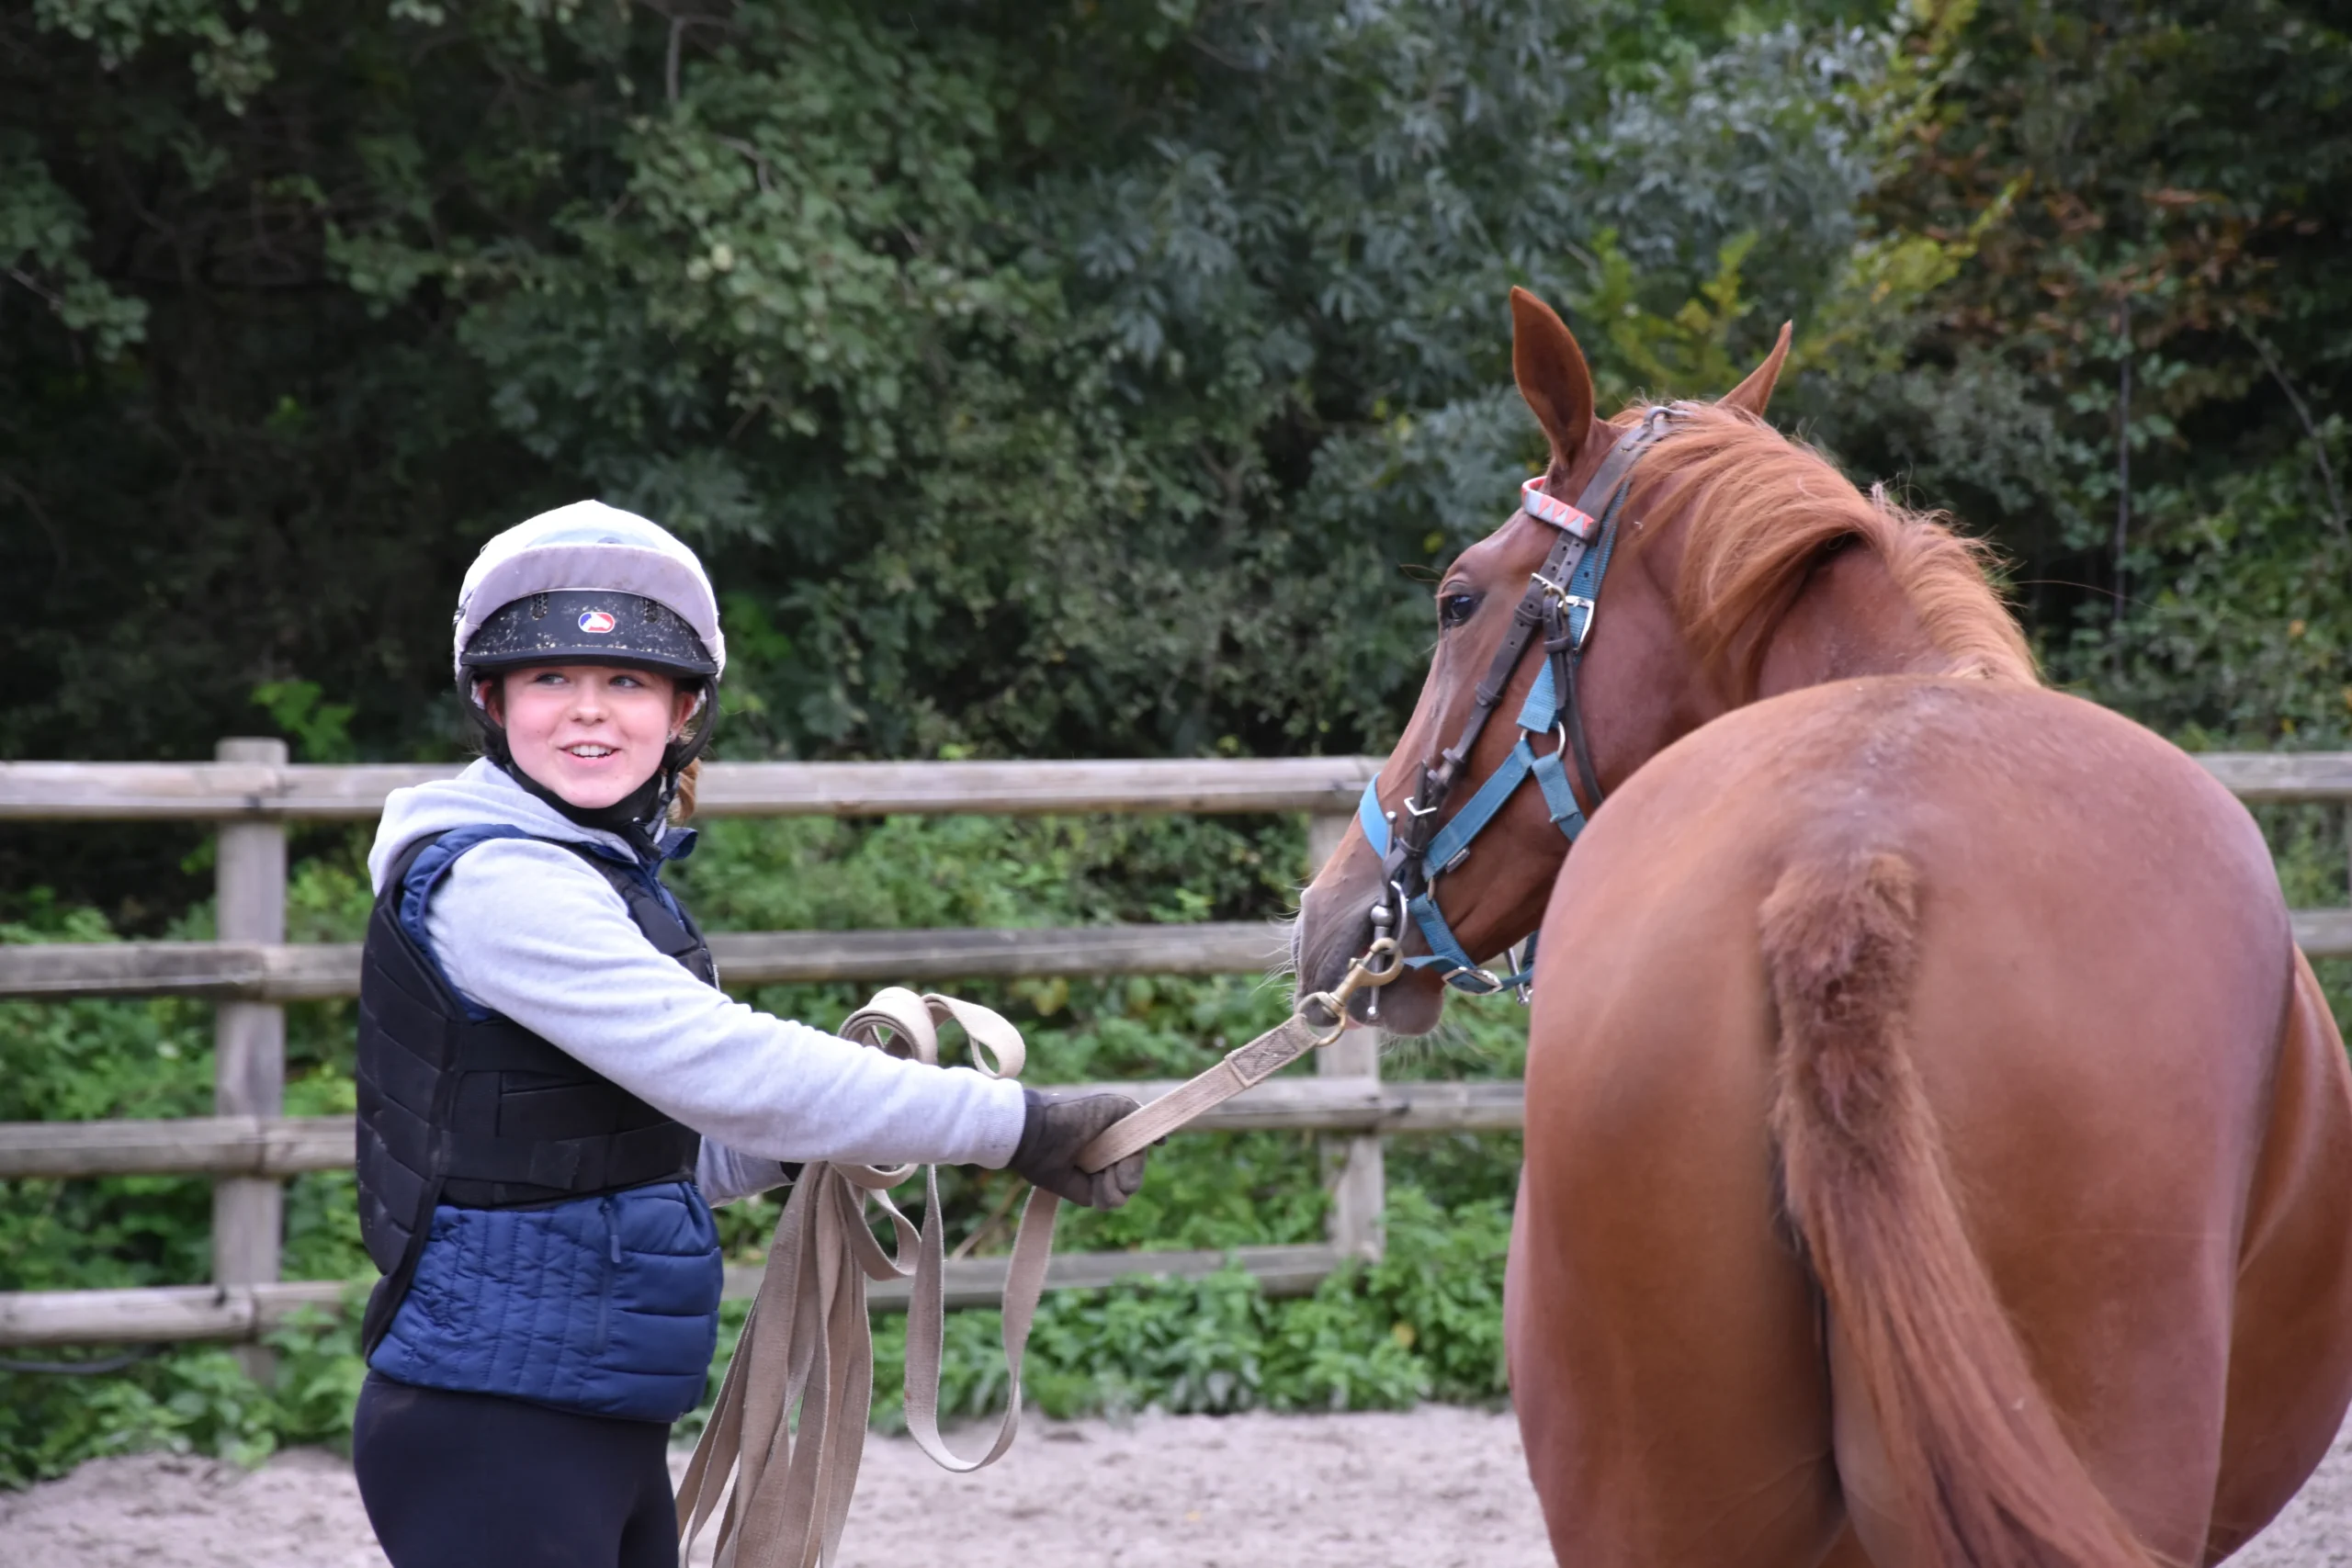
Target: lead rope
[(1245, 1067), (807, 1340)]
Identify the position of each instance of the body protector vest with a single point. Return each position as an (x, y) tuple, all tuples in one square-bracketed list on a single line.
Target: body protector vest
[(459, 1106)]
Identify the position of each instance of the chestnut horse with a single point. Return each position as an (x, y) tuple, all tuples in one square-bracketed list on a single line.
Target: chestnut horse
[(1938, 1152)]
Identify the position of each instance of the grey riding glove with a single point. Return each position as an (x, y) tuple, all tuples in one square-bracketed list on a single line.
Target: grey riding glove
[(1060, 1124)]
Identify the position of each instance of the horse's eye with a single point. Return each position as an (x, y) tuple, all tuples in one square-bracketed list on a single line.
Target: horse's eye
[(1455, 608)]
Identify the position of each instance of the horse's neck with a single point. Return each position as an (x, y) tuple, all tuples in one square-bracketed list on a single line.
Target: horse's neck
[(1849, 619)]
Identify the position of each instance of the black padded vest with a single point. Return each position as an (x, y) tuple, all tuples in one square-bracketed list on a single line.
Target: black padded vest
[(483, 1113)]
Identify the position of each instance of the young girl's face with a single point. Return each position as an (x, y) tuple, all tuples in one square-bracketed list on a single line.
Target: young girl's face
[(589, 733)]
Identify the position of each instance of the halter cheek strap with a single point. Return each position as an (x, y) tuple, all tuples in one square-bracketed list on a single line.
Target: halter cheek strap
[(1563, 597), (1539, 715)]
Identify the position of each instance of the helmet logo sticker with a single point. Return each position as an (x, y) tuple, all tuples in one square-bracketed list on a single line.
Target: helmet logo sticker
[(597, 621)]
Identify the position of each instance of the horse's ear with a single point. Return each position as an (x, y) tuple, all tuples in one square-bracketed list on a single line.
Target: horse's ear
[(1751, 395), (1550, 369)]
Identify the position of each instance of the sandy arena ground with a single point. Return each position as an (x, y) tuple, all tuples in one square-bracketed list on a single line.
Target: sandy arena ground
[(1438, 1488)]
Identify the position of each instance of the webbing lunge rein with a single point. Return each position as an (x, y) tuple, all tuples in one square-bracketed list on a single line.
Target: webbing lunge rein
[(807, 1342), (1563, 598)]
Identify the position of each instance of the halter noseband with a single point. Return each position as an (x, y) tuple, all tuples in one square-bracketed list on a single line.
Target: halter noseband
[(1562, 598)]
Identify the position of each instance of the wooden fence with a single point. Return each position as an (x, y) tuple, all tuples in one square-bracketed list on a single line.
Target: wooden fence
[(249, 1148)]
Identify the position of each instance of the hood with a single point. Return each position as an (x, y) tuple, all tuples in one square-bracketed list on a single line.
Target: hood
[(483, 793)]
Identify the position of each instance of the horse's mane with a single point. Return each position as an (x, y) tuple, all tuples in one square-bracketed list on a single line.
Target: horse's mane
[(1764, 509)]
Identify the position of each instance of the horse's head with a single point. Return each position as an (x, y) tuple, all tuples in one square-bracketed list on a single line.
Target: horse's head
[(1540, 585)]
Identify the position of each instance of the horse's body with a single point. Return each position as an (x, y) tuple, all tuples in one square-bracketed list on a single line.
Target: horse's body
[(1937, 1150), (2103, 1043)]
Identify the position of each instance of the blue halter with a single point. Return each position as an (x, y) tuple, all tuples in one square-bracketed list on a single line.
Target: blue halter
[(1563, 598)]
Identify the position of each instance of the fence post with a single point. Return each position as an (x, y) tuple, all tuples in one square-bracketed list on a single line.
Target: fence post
[(249, 1043), (1353, 1167)]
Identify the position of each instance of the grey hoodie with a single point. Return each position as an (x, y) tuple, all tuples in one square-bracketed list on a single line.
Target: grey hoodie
[(531, 933)]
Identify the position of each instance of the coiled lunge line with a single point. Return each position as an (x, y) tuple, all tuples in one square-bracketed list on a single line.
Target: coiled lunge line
[(808, 1343)]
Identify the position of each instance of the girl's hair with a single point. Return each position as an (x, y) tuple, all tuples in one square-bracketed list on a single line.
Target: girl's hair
[(682, 805)]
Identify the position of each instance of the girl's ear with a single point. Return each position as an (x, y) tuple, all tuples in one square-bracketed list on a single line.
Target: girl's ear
[(685, 703), (489, 695)]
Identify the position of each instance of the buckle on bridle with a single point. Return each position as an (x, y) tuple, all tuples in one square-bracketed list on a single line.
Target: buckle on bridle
[(1557, 593), (1565, 600), (1568, 604), (1453, 977)]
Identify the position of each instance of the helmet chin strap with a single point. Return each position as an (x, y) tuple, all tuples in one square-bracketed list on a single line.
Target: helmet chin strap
[(636, 817)]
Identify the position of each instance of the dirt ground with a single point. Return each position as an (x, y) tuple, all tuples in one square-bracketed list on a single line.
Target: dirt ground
[(1437, 1488)]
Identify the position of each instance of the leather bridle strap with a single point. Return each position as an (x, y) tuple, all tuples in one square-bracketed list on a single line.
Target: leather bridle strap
[(1565, 645), (1543, 603)]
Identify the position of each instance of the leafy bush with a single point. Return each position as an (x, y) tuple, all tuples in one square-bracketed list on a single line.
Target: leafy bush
[(1425, 1320), (195, 1399)]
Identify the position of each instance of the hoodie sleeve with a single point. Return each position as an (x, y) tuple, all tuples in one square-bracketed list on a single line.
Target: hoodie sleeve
[(527, 931), (724, 1174)]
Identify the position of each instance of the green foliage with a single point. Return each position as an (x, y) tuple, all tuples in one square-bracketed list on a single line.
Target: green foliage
[(2155, 188), (191, 1400), (42, 238), (823, 873), (87, 1061), (2242, 637), (1069, 380), (1426, 1321), (321, 730), (1038, 381)]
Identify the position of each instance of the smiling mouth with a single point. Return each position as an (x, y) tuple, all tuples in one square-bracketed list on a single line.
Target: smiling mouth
[(590, 753)]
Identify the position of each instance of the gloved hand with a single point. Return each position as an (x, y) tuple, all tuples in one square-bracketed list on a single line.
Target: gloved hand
[(1060, 1124)]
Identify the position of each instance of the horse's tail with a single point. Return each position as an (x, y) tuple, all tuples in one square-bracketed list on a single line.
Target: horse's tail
[(1979, 1469)]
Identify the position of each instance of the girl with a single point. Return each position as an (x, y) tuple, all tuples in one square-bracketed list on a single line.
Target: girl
[(552, 1090)]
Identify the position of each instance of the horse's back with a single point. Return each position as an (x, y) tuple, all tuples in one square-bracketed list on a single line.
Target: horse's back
[(1978, 782), (2081, 880), (2094, 1017)]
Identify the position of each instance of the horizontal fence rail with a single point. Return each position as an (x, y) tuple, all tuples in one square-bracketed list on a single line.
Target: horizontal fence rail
[(316, 972), (2265, 776), (89, 792), (247, 1146), (250, 1148), (313, 972), (30, 1319), (250, 1145)]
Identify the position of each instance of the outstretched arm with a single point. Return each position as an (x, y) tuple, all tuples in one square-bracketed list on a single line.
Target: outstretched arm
[(527, 930)]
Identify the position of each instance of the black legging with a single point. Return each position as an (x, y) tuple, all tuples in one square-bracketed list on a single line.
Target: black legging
[(457, 1480)]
